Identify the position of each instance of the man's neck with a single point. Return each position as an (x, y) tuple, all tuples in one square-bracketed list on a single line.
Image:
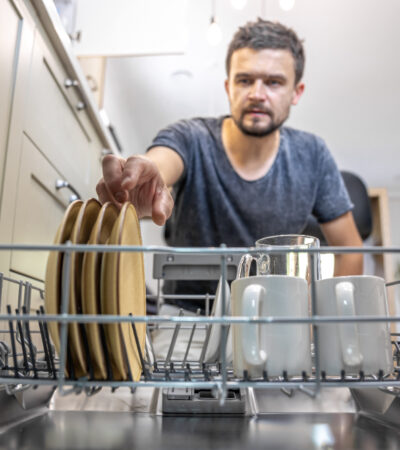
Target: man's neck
[(250, 156)]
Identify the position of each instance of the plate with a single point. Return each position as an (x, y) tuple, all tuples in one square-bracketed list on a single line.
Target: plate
[(123, 292), (91, 269), (77, 343), (52, 286), (213, 347)]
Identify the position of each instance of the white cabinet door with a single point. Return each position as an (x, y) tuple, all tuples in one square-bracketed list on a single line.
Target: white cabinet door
[(52, 121), (10, 34), (39, 210), (131, 27)]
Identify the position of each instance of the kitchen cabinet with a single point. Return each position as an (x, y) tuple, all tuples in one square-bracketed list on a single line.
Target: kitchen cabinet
[(17, 38), (53, 119), (38, 214), (49, 132), (10, 31), (131, 27)]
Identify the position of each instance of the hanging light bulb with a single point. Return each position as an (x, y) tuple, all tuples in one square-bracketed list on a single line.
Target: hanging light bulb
[(214, 33), (238, 4), (286, 5)]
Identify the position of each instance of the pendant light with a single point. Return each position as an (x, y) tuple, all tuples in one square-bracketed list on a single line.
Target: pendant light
[(287, 5), (214, 33), (238, 4)]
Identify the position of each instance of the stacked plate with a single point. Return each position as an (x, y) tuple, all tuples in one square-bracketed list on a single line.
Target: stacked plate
[(99, 283)]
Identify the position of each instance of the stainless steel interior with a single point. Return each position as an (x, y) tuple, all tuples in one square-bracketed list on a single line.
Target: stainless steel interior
[(213, 408)]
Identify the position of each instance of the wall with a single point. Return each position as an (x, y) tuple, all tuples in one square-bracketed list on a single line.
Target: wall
[(352, 93)]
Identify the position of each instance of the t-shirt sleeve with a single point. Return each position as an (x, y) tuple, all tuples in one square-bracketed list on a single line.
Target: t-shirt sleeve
[(177, 138), (332, 199)]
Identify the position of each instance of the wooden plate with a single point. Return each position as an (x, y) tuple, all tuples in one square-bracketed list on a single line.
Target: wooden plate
[(91, 286), (80, 235), (123, 291), (53, 277)]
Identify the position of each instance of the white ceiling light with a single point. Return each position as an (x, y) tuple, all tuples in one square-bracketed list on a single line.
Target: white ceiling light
[(214, 33), (286, 5), (238, 4)]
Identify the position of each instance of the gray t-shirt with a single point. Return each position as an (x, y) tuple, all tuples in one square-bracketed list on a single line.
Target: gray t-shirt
[(214, 205)]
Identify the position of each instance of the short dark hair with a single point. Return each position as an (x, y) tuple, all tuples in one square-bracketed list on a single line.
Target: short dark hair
[(264, 34)]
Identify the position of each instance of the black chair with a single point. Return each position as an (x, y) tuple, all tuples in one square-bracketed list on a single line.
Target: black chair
[(362, 211)]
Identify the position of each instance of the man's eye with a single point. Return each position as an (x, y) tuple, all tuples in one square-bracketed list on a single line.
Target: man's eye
[(244, 81), (274, 82)]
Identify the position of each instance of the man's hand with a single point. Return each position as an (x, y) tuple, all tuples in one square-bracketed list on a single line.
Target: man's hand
[(138, 180)]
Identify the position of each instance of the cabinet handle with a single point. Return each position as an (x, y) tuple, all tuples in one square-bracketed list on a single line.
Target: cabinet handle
[(80, 106), (60, 184), (68, 83), (71, 83)]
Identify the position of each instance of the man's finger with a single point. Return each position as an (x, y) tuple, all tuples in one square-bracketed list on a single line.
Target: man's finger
[(162, 205), (112, 175), (104, 194)]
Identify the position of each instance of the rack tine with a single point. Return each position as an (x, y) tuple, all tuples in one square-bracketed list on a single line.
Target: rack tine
[(207, 305), (13, 346), (46, 344), (30, 344), (174, 338), (144, 368), (45, 349), (20, 287), (190, 339), (150, 341), (1, 287), (27, 296), (21, 333), (205, 345)]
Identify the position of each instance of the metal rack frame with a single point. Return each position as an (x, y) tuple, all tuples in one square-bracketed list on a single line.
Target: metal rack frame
[(33, 366)]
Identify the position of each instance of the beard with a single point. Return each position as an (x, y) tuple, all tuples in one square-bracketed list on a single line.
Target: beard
[(254, 129)]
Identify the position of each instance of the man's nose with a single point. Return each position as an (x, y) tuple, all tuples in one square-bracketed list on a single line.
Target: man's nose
[(258, 91)]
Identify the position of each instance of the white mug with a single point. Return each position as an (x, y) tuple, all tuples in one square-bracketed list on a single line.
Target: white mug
[(353, 346), (273, 348)]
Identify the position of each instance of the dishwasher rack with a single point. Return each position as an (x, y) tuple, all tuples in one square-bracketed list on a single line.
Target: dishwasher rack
[(28, 358)]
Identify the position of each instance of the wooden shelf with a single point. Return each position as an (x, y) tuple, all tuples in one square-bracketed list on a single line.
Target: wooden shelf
[(381, 237), (381, 231)]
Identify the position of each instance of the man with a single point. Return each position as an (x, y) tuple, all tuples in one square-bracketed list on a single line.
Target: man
[(241, 177)]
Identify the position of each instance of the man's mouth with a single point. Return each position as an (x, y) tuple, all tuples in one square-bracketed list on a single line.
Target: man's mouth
[(257, 109), (258, 112)]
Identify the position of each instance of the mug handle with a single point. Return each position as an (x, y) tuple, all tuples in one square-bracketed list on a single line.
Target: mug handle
[(244, 263), (263, 264), (348, 332), (250, 332)]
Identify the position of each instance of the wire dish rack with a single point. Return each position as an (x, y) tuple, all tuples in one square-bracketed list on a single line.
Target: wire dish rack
[(28, 357)]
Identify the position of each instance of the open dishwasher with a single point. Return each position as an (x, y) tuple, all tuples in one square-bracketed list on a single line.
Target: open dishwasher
[(183, 399)]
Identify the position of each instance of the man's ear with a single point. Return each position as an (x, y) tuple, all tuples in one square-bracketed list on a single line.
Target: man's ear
[(297, 93), (226, 83)]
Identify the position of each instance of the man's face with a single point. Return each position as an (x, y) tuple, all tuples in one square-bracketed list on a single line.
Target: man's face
[(261, 89)]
